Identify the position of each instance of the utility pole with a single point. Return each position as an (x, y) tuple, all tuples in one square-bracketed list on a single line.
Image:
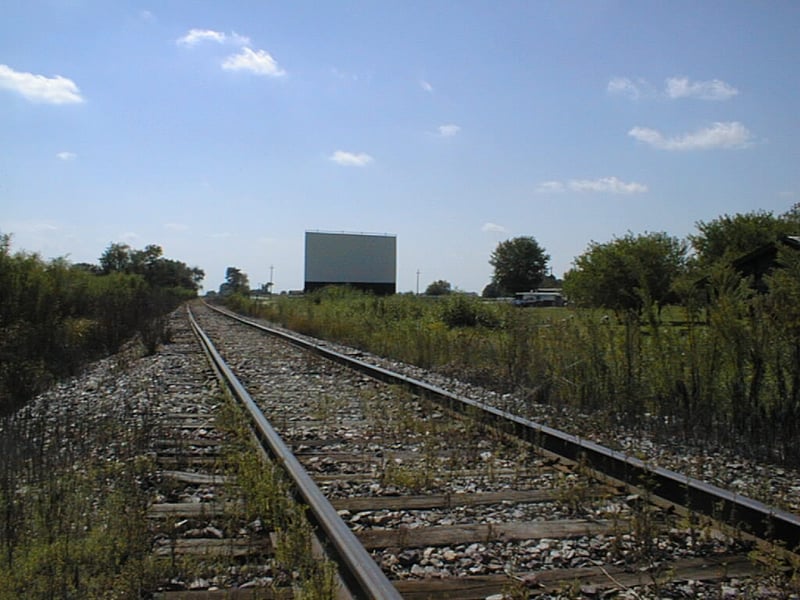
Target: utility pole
[(269, 286), (417, 282)]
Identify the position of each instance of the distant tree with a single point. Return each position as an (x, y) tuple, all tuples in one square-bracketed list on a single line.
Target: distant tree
[(438, 288), (116, 259), (551, 281), (727, 238), (142, 261), (491, 290), (628, 273), (236, 282), (88, 268), (519, 265), (792, 219), (172, 273), (150, 264)]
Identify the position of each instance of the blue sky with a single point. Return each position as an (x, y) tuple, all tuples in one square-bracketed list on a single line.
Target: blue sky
[(222, 131)]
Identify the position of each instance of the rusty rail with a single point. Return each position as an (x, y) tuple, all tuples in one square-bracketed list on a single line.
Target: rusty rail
[(361, 573)]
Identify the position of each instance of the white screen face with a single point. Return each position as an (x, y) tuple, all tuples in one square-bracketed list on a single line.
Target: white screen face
[(350, 258)]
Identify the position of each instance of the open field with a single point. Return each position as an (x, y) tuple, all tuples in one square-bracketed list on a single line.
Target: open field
[(729, 378)]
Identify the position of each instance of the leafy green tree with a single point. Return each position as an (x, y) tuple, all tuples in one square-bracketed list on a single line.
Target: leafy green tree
[(149, 263), (236, 282), (492, 290), (116, 259), (519, 265), (727, 238), (438, 288), (628, 273)]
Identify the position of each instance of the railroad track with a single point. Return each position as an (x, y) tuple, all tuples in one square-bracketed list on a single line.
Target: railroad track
[(412, 500)]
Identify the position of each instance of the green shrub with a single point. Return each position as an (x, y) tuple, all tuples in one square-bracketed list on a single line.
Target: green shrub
[(54, 317)]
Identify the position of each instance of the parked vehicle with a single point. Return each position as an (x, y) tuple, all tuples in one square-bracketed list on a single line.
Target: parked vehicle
[(543, 297)]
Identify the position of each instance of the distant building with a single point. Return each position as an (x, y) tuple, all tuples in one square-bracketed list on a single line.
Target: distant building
[(762, 261), (363, 261)]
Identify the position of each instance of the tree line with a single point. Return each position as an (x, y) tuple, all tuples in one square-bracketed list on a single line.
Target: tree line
[(55, 316), (637, 271)]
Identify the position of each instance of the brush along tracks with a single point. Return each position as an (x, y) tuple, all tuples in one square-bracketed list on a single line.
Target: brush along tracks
[(454, 507)]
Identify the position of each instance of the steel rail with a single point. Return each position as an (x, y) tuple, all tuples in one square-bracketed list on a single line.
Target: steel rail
[(363, 576), (740, 512)]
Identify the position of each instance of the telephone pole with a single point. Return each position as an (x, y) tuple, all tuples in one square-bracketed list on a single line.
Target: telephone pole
[(269, 285)]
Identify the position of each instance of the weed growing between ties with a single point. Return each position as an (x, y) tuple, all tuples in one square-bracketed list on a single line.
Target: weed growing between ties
[(724, 371), (267, 498)]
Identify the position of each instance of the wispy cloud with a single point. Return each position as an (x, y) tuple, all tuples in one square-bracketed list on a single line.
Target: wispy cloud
[(493, 228), (426, 86), (32, 227), (608, 185), (605, 185), (448, 130), (342, 75), (196, 36), (630, 88), (730, 135), (681, 87), (38, 88), (675, 88), (550, 187), (350, 159), (66, 155), (259, 62)]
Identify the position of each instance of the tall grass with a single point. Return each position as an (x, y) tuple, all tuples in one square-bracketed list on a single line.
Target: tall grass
[(72, 521), (54, 317), (728, 374)]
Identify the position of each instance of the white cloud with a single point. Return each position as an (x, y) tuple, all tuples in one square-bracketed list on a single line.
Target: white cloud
[(607, 185), (195, 36), (681, 87), (674, 88), (67, 155), (349, 159), (719, 135), (493, 228), (38, 88), (627, 87), (610, 185), (550, 187), (426, 86), (238, 40), (259, 62), (448, 130)]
